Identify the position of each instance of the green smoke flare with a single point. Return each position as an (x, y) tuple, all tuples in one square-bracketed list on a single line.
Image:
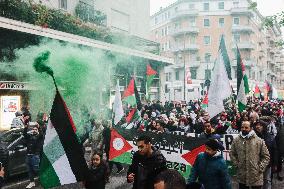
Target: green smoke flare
[(39, 63)]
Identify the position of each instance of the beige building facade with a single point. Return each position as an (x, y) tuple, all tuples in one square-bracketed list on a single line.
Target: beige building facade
[(189, 31), (126, 16)]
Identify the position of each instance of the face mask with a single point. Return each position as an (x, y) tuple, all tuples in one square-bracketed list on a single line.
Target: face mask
[(245, 133)]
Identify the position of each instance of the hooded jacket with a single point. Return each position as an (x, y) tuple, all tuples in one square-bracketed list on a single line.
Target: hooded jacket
[(146, 169), (250, 156), (212, 172)]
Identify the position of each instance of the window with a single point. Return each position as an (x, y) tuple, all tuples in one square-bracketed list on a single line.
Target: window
[(192, 21), (193, 73), (63, 4), (166, 30), (169, 14), (235, 4), (206, 22), (207, 74), (236, 21), (191, 6), (237, 38), (207, 57), (192, 39), (221, 5), (163, 33), (176, 9), (207, 40), (177, 75), (221, 22), (168, 76), (156, 20), (206, 6)]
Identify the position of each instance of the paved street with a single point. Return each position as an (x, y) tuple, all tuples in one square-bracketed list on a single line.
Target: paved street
[(116, 182)]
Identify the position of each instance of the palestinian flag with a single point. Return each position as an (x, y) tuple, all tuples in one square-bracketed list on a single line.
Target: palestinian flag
[(242, 83), (150, 74), (225, 56), (133, 115), (180, 151), (204, 103), (131, 97), (129, 94), (256, 91), (63, 159)]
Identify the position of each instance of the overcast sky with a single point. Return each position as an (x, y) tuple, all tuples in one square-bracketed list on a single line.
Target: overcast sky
[(266, 7)]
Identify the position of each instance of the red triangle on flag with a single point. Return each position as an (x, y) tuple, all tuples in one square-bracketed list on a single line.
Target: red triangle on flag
[(130, 89), (118, 145), (130, 116), (150, 71), (205, 100), (191, 156)]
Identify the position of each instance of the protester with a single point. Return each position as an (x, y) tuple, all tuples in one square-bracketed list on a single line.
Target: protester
[(99, 172), (209, 131), (169, 179), (250, 156), (17, 122), (34, 141), (146, 164), (260, 128), (210, 168), (96, 136), (2, 173)]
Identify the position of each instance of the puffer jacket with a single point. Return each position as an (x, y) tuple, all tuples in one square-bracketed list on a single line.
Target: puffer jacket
[(96, 137), (212, 172), (146, 169), (250, 156)]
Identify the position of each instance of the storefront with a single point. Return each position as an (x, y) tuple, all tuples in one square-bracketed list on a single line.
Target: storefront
[(13, 96)]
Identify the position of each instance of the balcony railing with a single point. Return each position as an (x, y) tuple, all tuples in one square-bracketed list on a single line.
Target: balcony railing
[(242, 29), (246, 62), (244, 45), (241, 11), (187, 47), (185, 13), (181, 31)]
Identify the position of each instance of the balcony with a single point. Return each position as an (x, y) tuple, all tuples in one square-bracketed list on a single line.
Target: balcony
[(247, 45), (187, 47), (182, 31), (242, 29), (241, 11), (184, 14), (246, 62), (190, 63), (177, 84)]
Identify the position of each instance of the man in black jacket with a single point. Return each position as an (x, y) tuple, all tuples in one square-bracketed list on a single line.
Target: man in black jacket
[(147, 163), (34, 142)]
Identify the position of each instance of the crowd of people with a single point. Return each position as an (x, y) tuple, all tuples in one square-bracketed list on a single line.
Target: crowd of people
[(257, 152)]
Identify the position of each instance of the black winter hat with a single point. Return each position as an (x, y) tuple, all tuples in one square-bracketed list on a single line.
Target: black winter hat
[(214, 144)]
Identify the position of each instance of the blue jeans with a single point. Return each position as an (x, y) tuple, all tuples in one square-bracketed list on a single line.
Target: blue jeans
[(32, 162)]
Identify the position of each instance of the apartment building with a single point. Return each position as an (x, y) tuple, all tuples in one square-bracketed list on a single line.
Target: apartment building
[(127, 16), (190, 30)]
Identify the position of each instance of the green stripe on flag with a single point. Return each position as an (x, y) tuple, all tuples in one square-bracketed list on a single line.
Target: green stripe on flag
[(245, 78), (130, 100), (48, 177), (149, 80), (54, 150), (124, 158), (241, 106)]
